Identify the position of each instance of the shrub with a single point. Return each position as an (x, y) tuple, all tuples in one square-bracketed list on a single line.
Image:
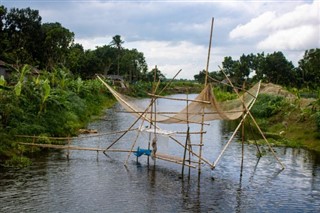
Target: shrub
[(267, 105)]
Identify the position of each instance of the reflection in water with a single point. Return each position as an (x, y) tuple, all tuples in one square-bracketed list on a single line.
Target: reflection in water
[(90, 184)]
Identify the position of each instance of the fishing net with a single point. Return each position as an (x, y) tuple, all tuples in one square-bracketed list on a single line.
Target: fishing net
[(204, 107)]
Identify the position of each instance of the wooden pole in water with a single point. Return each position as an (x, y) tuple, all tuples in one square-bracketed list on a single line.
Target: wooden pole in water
[(184, 154), (68, 152), (187, 138), (206, 82), (242, 144), (134, 143), (254, 121)]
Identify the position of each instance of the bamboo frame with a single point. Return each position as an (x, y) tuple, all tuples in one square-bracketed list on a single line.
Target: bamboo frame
[(179, 99), (153, 124), (254, 121), (70, 147)]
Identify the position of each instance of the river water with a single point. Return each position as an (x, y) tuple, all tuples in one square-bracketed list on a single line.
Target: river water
[(93, 182)]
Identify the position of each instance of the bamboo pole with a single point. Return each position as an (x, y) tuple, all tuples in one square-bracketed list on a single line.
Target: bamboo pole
[(179, 99), (171, 112), (184, 154), (230, 139), (173, 161), (52, 146), (187, 138), (201, 143), (260, 154), (81, 137), (209, 50), (140, 114), (258, 127), (108, 148), (242, 144), (133, 144), (195, 154), (265, 139), (68, 152)]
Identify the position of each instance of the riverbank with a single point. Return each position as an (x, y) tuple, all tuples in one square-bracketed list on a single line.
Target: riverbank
[(54, 104), (287, 118), (282, 115)]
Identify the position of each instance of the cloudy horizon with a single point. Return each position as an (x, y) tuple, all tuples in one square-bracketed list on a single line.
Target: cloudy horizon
[(174, 35)]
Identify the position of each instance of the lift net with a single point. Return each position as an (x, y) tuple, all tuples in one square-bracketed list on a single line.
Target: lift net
[(204, 107)]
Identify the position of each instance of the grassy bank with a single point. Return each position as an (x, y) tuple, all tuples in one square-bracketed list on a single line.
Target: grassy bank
[(54, 104), (290, 122)]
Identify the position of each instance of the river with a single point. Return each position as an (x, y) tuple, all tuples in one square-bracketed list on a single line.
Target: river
[(93, 182)]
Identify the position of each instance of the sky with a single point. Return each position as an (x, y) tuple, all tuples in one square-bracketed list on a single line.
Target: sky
[(175, 35)]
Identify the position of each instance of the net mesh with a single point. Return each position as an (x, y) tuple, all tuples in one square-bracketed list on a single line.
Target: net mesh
[(204, 107)]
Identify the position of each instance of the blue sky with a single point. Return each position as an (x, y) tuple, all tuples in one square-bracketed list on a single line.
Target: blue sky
[(174, 35)]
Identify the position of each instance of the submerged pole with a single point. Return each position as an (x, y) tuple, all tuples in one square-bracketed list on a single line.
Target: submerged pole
[(242, 136), (185, 152)]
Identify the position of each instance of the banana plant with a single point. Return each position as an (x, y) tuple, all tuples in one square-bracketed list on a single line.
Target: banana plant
[(46, 89), (21, 77), (3, 84)]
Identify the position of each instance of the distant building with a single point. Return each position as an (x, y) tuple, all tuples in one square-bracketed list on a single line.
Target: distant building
[(117, 80), (7, 69), (4, 70)]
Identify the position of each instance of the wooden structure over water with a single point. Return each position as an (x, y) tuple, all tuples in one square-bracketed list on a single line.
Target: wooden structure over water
[(197, 111)]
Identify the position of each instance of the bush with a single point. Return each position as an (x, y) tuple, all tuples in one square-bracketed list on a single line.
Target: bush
[(267, 105)]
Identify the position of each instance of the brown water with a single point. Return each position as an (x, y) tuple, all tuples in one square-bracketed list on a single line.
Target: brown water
[(91, 182)]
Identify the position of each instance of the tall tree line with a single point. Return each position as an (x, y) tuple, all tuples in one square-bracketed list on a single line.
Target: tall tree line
[(24, 39), (273, 68)]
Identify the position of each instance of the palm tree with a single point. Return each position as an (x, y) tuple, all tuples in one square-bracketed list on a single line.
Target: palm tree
[(116, 41)]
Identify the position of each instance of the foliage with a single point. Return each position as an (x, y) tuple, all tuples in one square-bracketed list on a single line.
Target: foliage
[(267, 105), (217, 76), (308, 70), (56, 42), (222, 95), (51, 104), (22, 35), (274, 68)]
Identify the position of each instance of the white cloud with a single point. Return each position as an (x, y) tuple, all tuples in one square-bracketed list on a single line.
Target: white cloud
[(254, 28), (171, 57), (298, 29), (298, 38)]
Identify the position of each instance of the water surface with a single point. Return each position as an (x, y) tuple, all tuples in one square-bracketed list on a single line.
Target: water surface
[(91, 182)]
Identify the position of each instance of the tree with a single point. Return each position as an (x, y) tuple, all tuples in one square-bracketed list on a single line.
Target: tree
[(75, 58), (277, 69), (237, 70), (56, 42), (257, 65), (106, 55), (134, 64), (200, 77), (309, 69), (3, 36), (117, 42), (90, 64), (24, 28), (159, 75)]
